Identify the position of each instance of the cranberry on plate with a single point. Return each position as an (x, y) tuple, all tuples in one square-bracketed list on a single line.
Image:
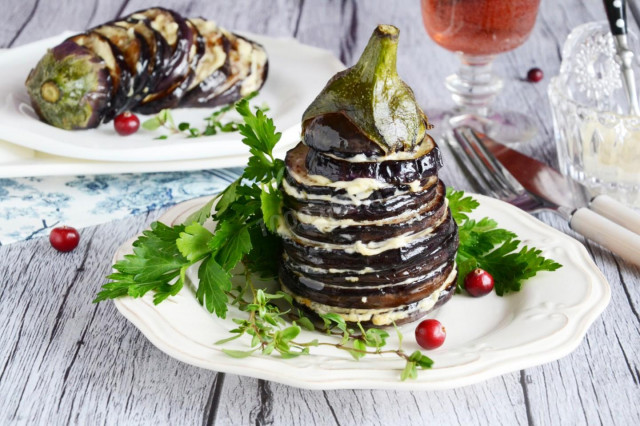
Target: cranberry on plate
[(478, 282), (126, 124), (430, 334), (64, 238)]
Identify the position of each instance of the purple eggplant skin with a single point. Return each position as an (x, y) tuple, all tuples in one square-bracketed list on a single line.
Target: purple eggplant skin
[(158, 49), (424, 217), (435, 248), (70, 87), (444, 297), (172, 98), (336, 134), (239, 89), (374, 277), (176, 67), (136, 53), (295, 161), (390, 171), (213, 69), (118, 69), (237, 72), (352, 294)]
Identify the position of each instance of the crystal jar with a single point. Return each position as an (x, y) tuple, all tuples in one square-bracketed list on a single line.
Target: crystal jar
[(598, 142)]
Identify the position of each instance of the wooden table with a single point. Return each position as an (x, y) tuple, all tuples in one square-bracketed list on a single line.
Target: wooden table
[(65, 360)]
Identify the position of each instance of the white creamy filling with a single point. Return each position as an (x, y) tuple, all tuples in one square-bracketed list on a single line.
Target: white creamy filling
[(385, 316), (366, 249), (353, 198), (328, 224), (317, 285), (165, 25), (312, 269), (360, 188), (214, 54), (254, 79), (243, 64), (425, 147)]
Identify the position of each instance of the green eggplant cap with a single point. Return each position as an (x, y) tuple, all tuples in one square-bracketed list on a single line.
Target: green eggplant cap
[(70, 87), (374, 98)]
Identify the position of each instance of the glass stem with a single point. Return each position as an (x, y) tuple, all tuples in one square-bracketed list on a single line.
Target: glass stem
[(474, 86)]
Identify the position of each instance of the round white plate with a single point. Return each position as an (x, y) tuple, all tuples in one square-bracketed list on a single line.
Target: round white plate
[(297, 73), (486, 337)]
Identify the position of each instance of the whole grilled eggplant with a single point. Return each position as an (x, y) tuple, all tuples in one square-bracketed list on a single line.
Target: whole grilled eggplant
[(155, 59)]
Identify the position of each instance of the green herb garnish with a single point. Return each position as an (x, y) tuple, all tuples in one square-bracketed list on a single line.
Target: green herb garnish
[(484, 245), (215, 122)]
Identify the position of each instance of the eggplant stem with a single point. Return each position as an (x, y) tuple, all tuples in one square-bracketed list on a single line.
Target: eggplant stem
[(50, 92)]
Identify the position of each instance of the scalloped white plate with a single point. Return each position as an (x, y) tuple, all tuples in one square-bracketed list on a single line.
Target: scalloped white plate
[(486, 337), (297, 73)]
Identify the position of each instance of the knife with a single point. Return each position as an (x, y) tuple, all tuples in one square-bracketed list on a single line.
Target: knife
[(603, 219)]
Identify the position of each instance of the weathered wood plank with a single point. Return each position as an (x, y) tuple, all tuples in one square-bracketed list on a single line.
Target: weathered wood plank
[(85, 363), (48, 19), (286, 405)]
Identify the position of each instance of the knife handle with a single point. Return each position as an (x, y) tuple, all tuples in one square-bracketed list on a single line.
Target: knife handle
[(616, 14), (617, 212), (619, 240)]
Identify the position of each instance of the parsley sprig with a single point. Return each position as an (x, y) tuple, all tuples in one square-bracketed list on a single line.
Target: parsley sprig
[(484, 245), (163, 254)]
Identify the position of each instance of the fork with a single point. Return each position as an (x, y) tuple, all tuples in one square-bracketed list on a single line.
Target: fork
[(492, 177), (495, 180)]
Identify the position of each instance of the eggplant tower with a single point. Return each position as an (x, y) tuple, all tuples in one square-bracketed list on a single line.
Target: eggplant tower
[(366, 226)]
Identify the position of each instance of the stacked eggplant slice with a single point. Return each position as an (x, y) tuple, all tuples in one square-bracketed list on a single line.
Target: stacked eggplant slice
[(367, 231), (148, 61)]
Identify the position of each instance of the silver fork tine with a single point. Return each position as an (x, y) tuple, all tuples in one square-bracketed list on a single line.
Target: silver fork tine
[(464, 163), (481, 169), (499, 172)]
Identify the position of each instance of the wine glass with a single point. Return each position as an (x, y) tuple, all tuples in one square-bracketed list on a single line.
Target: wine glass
[(478, 30)]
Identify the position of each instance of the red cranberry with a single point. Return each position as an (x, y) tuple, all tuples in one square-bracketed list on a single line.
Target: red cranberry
[(64, 238), (126, 124), (430, 334), (535, 75), (478, 282)]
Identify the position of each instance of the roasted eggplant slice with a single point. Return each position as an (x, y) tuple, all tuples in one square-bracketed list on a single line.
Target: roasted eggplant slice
[(172, 98), (136, 53), (176, 67), (214, 65), (156, 44), (246, 72), (70, 87), (118, 69), (251, 78)]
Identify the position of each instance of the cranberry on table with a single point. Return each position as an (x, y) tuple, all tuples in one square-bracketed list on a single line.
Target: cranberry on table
[(64, 238), (535, 75), (478, 282), (126, 123), (430, 334)]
